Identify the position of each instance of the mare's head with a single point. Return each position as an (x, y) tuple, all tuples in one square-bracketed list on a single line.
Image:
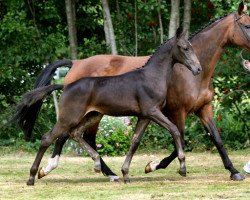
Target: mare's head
[(239, 27), (183, 53)]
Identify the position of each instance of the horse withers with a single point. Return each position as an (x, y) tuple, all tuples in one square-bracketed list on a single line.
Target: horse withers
[(144, 95)]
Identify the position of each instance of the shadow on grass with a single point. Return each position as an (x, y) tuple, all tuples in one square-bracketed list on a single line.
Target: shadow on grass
[(106, 180)]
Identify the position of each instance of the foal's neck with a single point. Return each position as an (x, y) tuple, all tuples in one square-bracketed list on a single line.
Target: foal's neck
[(161, 62)]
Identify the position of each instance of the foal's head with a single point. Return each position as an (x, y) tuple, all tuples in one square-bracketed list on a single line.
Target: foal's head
[(183, 53)]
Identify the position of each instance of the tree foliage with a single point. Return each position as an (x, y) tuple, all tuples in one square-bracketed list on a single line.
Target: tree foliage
[(34, 33)]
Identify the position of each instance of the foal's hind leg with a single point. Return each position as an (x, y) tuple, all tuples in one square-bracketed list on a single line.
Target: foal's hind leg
[(206, 117), (76, 134), (46, 141), (139, 130), (90, 137), (54, 160)]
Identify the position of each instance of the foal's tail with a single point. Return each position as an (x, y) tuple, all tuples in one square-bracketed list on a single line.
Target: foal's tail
[(27, 113), (26, 106)]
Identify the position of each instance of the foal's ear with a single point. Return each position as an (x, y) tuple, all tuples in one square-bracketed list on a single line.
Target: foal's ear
[(180, 32), (242, 8)]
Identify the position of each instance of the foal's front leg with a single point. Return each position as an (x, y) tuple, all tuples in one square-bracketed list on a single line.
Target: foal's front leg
[(179, 120), (159, 118), (139, 130)]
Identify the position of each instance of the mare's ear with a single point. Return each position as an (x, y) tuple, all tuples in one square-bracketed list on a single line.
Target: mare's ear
[(241, 8), (180, 32)]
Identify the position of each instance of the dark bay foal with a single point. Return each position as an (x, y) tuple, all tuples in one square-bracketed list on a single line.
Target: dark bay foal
[(85, 101)]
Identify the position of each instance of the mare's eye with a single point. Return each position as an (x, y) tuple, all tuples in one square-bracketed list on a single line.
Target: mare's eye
[(186, 48)]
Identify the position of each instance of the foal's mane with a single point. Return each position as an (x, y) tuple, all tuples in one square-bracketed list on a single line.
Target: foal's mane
[(210, 24)]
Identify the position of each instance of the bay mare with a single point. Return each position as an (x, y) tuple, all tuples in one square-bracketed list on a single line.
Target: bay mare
[(140, 93), (208, 43)]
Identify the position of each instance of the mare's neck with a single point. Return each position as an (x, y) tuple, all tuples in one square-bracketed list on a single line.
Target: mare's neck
[(209, 45)]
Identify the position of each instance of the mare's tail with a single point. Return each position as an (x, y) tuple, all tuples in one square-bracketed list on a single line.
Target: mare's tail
[(25, 107), (26, 117)]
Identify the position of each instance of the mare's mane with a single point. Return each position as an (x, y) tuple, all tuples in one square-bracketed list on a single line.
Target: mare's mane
[(210, 24)]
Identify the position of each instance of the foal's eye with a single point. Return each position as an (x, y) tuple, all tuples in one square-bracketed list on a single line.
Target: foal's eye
[(186, 48)]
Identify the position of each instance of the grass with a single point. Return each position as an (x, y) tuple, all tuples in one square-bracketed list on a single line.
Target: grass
[(76, 179)]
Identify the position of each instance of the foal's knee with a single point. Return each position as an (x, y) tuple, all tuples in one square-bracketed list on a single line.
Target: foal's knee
[(46, 141), (174, 130)]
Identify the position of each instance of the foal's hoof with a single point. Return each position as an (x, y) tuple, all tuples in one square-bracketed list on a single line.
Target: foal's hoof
[(31, 181), (114, 178), (41, 173), (237, 177), (97, 170)]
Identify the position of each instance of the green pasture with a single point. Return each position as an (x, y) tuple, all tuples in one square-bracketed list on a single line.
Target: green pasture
[(76, 179)]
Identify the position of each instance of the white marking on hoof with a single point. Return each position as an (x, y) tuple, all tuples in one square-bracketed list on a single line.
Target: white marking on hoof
[(52, 164), (247, 167), (151, 166), (114, 178)]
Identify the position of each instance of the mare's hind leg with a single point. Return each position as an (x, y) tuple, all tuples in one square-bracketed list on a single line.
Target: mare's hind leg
[(46, 141), (139, 130), (206, 117), (160, 119), (90, 137), (179, 120)]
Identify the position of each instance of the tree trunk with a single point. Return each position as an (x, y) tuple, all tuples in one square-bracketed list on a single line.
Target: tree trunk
[(174, 18), (160, 20), (187, 16), (109, 30), (136, 34), (71, 20)]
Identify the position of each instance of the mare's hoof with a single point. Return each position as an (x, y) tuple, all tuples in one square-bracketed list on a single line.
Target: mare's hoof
[(151, 166), (237, 177), (126, 180), (41, 173), (148, 168), (31, 181), (114, 178)]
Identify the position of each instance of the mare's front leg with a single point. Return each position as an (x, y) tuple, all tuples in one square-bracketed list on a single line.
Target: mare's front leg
[(159, 118), (206, 117), (46, 141), (179, 120), (139, 130)]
